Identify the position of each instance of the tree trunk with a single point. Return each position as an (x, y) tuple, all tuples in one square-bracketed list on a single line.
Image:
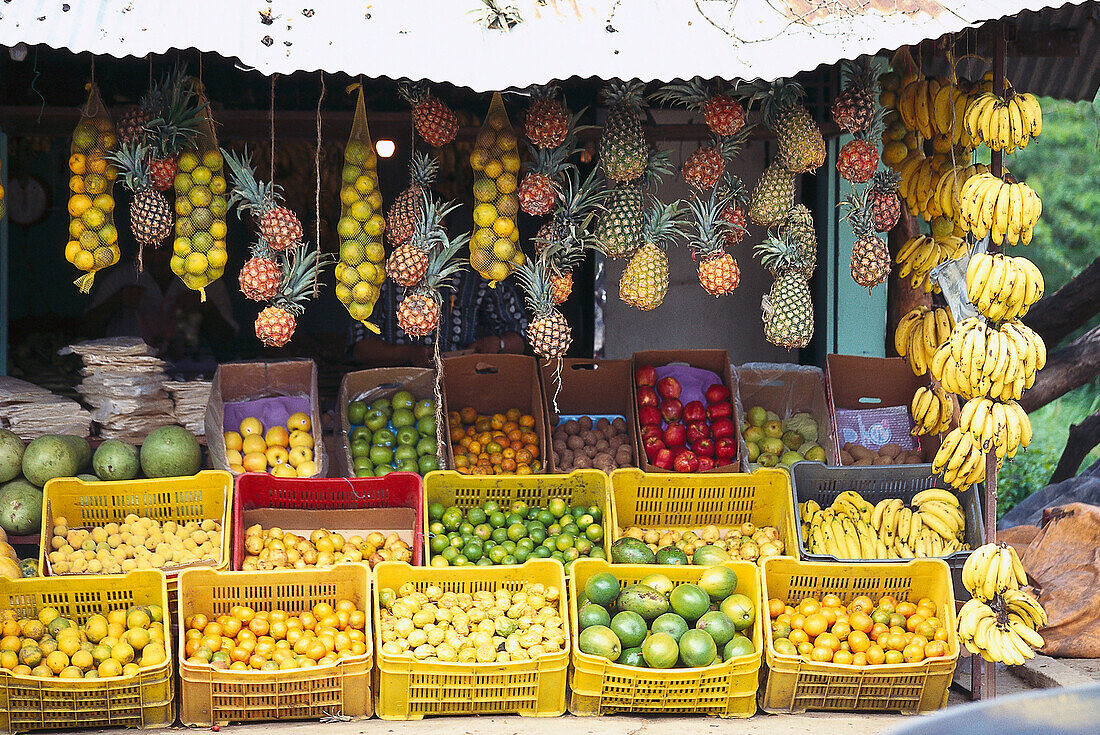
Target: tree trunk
[(1067, 368), (1082, 438), (900, 298), (1063, 311)]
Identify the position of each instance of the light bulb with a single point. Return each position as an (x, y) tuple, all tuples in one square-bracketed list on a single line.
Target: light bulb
[(385, 147)]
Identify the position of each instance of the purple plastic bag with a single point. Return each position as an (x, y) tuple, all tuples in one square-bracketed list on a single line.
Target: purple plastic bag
[(693, 382), (270, 411), (873, 428)]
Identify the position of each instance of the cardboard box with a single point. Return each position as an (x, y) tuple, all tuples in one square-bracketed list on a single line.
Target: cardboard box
[(717, 361), (591, 388), (369, 386), (858, 382), (788, 389), (249, 381), (493, 384)]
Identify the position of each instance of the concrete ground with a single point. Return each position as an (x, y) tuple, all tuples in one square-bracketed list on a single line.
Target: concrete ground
[(761, 724)]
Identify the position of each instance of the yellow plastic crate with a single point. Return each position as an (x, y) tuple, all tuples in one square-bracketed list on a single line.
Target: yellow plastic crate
[(207, 495), (794, 684), (688, 502), (579, 487), (209, 696), (140, 700), (409, 689), (602, 687)]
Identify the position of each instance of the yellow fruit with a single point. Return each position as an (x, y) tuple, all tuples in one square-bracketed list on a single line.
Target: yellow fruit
[(494, 168), (506, 183), (485, 215), (251, 425), (256, 462), (137, 638), (233, 456), (375, 226), (299, 422), (276, 456), (284, 470), (78, 163), (277, 436), (301, 439), (108, 668), (253, 443), (57, 661), (307, 468), (122, 652), (153, 655), (504, 226)]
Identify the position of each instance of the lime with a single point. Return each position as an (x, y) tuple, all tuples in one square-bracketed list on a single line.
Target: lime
[(403, 399), (357, 413), (403, 417), (558, 507)]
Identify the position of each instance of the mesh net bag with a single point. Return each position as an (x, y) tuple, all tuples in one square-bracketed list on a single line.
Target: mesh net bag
[(198, 251), (494, 245), (361, 268), (93, 239)]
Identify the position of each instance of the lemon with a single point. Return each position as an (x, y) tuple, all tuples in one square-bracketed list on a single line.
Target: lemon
[(365, 184), (375, 226), (506, 183), (362, 291), (202, 176), (352, 253), (485, 215), (201, 241), (348, 195), (200, 196), (195, 264), (350, 173), (187, 161), (494, 168), (366, 271), (84, 261), (361, 211), (217, 185), (183, 209), (212, 159), (504, 226), (376, 252), (347, 228), (217, 257), (72, 247), (79, 204)]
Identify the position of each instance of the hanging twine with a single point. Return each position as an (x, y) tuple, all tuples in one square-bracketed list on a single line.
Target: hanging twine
[(558, 365), (317, 189), (437, 391), (271, 119)]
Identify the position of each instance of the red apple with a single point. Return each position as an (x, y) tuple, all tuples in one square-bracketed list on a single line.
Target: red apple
[(663, 459), (694, 412), (705, 464), (717, 393), (697, 431), (722, 428), (704, 447), (653, 445), (671, 409), (668, 387), (649, 430), (647, 397), (645, 375), (725, 449), (675, 435), (717, 411), (649, 415), (686, 461)]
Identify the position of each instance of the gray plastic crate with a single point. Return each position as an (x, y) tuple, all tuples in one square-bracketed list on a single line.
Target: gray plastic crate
[(815, 481)]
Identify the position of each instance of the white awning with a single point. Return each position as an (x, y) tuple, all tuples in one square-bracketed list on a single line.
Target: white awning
[(442, 40)]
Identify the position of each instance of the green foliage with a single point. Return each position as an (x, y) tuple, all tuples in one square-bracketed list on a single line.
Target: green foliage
[(1027, 472)]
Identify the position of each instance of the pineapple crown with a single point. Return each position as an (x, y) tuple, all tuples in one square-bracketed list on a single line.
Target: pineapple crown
[(552, 161), (775, 97), (658, 166), (178, 114), (730, 145), (535, 278), (429, 231), (780, 252), (132, 160), (260, 249), (857, 206), (423, 168), (860, 74), (885, 180), (248, 192), (497, 16), (663, 222), (710, 228), (301, 266), (443, 263), (733, 188), (415, 93), (544, 92), (628, 95), (568, 226), (873, 131), (691, 94)]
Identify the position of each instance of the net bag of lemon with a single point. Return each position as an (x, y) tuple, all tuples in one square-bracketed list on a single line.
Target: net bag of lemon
[(198, 251), (361, 268), (494, 245), (93, 239)]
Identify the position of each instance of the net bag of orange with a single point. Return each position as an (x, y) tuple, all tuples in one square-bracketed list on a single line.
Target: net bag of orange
[(494, 245), (93, 239), (361, 268), (198, 251)]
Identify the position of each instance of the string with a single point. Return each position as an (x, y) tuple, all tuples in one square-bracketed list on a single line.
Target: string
[(317, 190), (93, 68), (437, 393), (271, 119), (200, 67)]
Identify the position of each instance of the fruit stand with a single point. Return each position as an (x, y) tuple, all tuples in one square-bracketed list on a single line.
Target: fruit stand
[(680, 498)]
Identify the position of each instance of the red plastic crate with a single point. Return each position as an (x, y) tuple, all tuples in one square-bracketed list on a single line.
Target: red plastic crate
[(261, 490)]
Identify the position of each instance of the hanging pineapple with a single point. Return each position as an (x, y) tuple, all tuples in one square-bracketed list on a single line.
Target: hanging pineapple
[(408, 263), (718, 271), (150, 215), (565, 238), (619, 229), (623, 149), (787, 309), (279, 227), (406, 210), (133, 123), (732, 190), (705, 167), (800, 145), (722, 113), (433, 121), (870, 263), (773, 196), (418, 313), (538, 190), (859, 157), (548, 332), (174, 128), (854, 108), (547, 122), (800, 227), (882, 194), (644, 283), (301, 268), (260, 275)]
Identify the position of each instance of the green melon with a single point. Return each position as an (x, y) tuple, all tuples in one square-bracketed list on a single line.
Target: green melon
[(20, 508), (170, 451), (116, 460), (55, 455), (11, 455)]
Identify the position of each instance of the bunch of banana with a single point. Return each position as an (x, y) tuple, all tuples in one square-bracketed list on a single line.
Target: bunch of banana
[(934, 107), (932, 410), (1001, 622), (1001, 286), (991, 570), (946, 196), (920, 333), (919, 255), (1002, 427), (1004, 124), (998, 637), (978, 360), (1006, 211), (852, 528), (960, 459)]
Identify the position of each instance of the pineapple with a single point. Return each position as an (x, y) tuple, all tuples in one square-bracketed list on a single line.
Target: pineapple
[(644, 283), (150, 215), (854, 107), (800, 226), (175, 126), (870, 257), (787, 309), (548, 332), (275, 324), (723, 114), (279, 227), (547, 122), (408, 263), (405, 212), (564, 240), (704, 168), (433, 120), (619, 229), (882, 194), (733, 190), (538, 191), (773, 196), (859, 157), (260, 275), (800, 145), (623, 149), (718, 271), (418, 313)]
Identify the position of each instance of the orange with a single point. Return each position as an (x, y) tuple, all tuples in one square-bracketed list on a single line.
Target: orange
[(840, 629), (842, 657), (859, 659), (830, 601), (935, 648), (913, 653), (821, 655), (827, 640), (905, 608), (875, 655), (894, 657), (913, 621), (798, 636), (895, 642), (830, 614), (815, 625), (861, 621), (858, 641), (804, 649), (196, 622)]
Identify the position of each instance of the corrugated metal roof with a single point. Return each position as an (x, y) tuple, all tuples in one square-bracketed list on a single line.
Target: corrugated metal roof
[(1065, 77), (441, 40)]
